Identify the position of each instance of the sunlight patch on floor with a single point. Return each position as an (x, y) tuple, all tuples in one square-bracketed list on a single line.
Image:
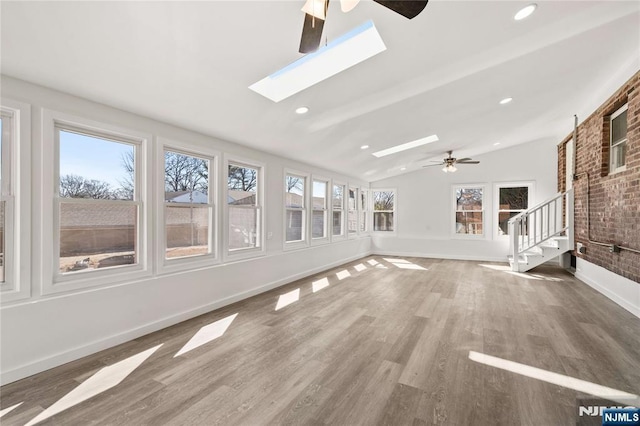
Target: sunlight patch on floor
[(404, 264), (372, 262), (507, 269), (105, 379), (207, 334), (343, 274), (320, 284), (288, 298), (557, 379), (9, 409), (359, 267)]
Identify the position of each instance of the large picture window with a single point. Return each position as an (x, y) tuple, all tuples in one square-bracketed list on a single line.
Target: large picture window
[(512, 199), (244, 209), (98, 208), (384, 205), (319, 214), (469, 210), (337, 205), (618, 139), (364, 210), (6, 135), (188, 210), (295, 208)]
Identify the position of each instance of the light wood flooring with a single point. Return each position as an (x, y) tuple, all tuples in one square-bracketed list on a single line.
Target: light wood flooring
[(387, 344)]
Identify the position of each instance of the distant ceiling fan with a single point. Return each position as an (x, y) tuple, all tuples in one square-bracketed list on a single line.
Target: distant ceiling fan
[(316, 12), (450, 162)]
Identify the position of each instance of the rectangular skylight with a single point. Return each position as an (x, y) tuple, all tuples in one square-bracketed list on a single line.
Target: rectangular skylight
[(405, 146), (350, 49)]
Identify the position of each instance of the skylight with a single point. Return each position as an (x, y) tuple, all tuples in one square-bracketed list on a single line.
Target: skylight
[(406, 146), (356, 46)]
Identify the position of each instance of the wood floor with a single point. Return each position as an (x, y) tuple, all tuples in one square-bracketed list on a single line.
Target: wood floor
[(388, 343)]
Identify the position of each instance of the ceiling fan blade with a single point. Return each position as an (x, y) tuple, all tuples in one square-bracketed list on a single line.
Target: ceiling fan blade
[(408, 9), (431, 165), (348, 5), (464, 159), (311, 34), (467, 162)]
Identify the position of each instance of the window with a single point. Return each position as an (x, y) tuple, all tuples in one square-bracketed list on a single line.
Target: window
[(98, 201), (364, 210), (337, 204), (188, 209), (352, 213), (295, 211), (319, 214), (618, 147), (244, 210), (512, 199), (469, 210), (6, 211), (383, 211)]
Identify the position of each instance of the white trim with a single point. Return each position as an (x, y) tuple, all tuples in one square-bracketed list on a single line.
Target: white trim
[(327, 210), (165, 265), (496, 202), (247, 253), (366, 212), (619, 289), (394, 211), (356, 190), (53, 281), (485, 229), (116, 339), (437, 256), (624, 141), (343, 226), (305, 234), (17, 261)]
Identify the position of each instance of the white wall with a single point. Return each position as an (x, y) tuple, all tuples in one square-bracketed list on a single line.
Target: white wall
[(424, 203), (43, 331)]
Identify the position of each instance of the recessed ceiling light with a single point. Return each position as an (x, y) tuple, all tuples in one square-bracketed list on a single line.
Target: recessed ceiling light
[(403, 169), (356, 46), (525, 11), (496, 144), (505, 101), (302, 110), (405, 146), (364, 147)]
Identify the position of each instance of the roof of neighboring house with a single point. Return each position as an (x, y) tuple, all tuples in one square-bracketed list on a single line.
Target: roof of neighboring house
[(196, 197)]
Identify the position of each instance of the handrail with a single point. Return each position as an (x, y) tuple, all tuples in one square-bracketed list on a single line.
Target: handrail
[(540, 223), (550, 200)]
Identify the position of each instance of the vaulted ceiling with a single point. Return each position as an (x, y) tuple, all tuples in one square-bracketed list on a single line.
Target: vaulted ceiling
[(444, 72)]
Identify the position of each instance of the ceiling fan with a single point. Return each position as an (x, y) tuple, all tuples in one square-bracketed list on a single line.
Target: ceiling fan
[(316, 12), (450, 162)]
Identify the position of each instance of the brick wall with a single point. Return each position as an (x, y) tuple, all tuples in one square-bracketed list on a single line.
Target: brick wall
[(614, 199)]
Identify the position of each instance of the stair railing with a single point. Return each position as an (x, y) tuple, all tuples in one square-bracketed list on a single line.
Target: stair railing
[(538, 224)]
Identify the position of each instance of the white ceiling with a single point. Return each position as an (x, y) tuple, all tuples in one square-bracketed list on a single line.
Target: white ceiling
[(444, 72)]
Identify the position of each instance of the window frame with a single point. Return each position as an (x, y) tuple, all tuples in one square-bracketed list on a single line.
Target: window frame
[(485, 232), (365, 218), (306, 232), (327, 210), (249, 252), (624, 141), (342, 210), (52, 280), (169, 265), (16, 181), (394, 211), (356, 211), (496, 200)]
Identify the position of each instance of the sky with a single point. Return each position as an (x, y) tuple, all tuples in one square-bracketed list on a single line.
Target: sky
[(93, 158)]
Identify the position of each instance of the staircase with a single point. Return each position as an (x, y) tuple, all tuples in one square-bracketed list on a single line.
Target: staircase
[(541, 233)]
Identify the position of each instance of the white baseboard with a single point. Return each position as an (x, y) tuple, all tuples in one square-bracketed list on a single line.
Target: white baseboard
[(621, 290), (52, 361), (440, 256)]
